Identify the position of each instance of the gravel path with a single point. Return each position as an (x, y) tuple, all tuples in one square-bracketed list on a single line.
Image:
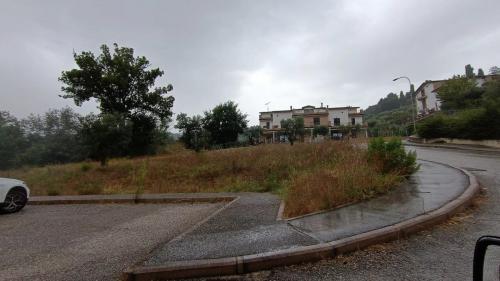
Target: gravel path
[(88, 242)]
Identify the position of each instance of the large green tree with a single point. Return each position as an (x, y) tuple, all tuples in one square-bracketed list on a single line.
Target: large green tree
[(122, 84), (224, 122), (119, 82)]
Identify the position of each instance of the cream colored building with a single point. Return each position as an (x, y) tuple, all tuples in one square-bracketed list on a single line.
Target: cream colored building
[(334, 118)]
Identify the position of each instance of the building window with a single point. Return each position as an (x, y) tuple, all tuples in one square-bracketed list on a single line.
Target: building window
[(316, 121), (353, 121), (336, 121), (268, 125)]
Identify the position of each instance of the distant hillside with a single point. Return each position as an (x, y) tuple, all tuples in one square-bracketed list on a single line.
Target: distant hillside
[(390, 116)]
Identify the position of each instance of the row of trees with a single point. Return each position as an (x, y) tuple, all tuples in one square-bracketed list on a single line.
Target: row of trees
[(133, 119), (219, 127), (469, 110), (62, 136), (390, 116), (469, 71)]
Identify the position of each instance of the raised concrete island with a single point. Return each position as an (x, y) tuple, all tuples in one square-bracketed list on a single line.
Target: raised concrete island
[(246, 236)]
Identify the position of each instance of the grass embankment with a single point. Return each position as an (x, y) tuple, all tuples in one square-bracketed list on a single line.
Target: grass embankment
[(310, 177)]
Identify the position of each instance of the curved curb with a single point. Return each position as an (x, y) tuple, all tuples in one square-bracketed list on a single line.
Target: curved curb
[(164, 198), (493, 150), (263, 261)]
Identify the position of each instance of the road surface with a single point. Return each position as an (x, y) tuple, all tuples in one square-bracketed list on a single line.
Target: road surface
[(86, 241)]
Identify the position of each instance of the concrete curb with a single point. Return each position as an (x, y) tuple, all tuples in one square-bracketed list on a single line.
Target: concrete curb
[(454, 147), (263, 261), (129, 199)]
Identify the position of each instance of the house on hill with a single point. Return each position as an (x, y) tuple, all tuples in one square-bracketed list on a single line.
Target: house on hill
[(427, 99)]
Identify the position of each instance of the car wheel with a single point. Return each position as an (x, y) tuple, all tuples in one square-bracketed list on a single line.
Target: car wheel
[(14, 201)]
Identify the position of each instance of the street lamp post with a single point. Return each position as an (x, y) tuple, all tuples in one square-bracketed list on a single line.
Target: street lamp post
[(411, 97)]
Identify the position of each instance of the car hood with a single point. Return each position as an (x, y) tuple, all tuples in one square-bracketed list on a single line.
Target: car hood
[(7, 181)]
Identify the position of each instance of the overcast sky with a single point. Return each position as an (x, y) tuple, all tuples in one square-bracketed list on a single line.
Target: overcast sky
[(253, 52)]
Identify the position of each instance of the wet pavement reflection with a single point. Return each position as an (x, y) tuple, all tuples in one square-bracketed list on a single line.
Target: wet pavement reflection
[(430, 188)]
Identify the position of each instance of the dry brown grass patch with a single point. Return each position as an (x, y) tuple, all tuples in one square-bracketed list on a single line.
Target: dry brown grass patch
[(310, 177)]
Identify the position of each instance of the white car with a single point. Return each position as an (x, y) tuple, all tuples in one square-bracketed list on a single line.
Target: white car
[(14, 195)]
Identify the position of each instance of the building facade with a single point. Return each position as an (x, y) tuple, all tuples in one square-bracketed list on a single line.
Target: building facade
[(334, 118), (427, 99)]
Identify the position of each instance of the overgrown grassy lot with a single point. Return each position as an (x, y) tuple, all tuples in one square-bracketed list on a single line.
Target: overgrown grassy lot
[(310, 177)]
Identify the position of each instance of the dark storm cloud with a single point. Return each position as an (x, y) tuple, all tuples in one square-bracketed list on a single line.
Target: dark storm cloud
[(253, 52)]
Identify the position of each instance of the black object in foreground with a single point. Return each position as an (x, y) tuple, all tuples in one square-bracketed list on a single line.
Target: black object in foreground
[(479, 252)]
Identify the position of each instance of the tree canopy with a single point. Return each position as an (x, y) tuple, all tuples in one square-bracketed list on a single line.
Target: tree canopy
[(49, 138), (494, 70), (294, 128), (218, 127), (193, 134), (459, 93), (119, 82), (469, 71), (124, 85), (224, 122)]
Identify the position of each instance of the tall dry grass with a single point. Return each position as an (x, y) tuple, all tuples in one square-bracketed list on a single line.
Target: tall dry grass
[(310, 177)]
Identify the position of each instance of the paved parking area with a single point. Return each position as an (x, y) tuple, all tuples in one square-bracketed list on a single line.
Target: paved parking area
[(88, 242)]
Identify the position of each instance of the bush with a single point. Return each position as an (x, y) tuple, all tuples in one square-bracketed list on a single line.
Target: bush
[(477, 123), (391, 156)]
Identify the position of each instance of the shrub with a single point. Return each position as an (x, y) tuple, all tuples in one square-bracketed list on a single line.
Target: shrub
[(434, 127), (477, 123), (392, 156)]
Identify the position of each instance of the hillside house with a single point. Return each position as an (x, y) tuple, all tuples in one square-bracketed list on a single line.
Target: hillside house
[(427, 100)]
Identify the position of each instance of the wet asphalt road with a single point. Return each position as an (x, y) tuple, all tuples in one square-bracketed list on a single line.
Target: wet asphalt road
[(442, 253), (88, 242)]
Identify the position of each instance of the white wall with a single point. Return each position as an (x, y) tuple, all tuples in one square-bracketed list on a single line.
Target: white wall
[(263, 124), (358, 120), (343, 114), (278, 116), (420, 107), (432, 101)]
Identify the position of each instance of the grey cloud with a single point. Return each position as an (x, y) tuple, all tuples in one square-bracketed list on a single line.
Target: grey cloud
[(285, 52)]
